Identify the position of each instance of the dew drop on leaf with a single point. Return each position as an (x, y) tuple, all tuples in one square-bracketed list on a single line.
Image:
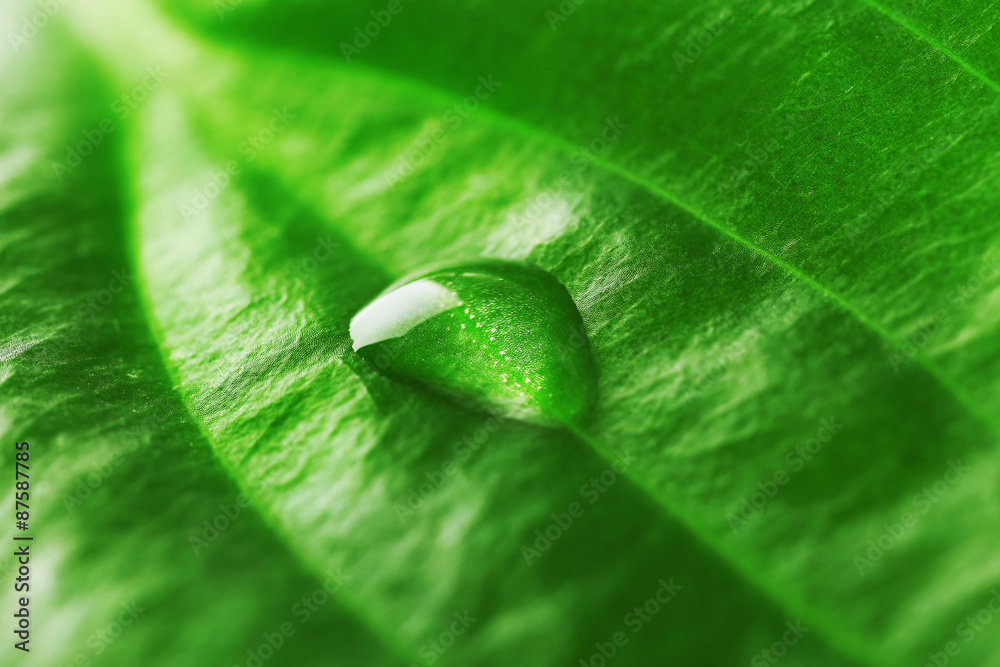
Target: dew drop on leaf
[(530, 359)]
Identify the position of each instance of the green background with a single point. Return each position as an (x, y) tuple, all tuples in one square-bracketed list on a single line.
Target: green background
[(778, 221)]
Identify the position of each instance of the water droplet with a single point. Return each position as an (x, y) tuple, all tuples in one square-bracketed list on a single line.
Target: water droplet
[(409, 333)]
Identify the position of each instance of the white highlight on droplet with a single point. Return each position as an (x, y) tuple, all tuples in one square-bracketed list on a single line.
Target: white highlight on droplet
[(393, 314)]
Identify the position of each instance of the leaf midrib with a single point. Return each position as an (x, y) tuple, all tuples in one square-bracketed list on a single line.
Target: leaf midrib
[(961, 396), (934, 43), (392, 644), (543, 136), (838, 637), (859, 649)]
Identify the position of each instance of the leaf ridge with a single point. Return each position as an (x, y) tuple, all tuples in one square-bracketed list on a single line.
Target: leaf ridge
[(857, 649), (838, 638), (524, 128), (944, 379), (938, 46), (350, 602), (962, 397)]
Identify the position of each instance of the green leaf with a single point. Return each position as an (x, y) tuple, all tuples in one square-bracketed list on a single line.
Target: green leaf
[(428, 509), (143, 551), (755, 305), (774, 220)]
